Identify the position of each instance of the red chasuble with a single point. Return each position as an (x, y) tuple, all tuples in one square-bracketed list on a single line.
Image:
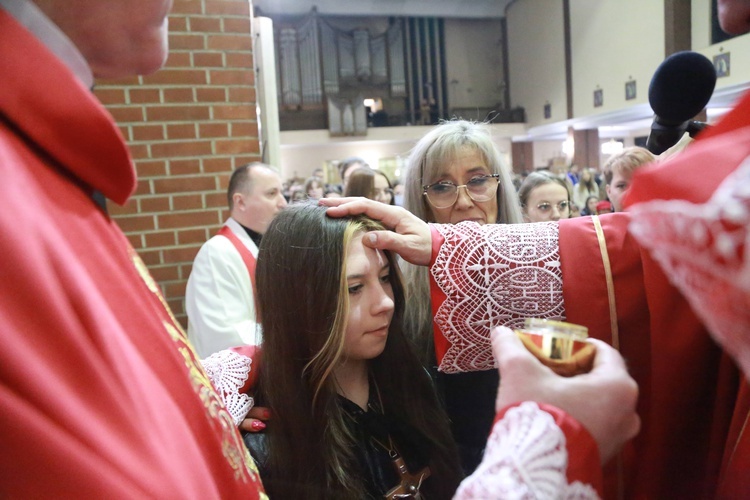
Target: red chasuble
[(693, 215), (101, 393), (695, 441)]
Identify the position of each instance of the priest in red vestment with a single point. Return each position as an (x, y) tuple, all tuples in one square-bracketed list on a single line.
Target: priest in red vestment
[(102, 395), (684, 253)]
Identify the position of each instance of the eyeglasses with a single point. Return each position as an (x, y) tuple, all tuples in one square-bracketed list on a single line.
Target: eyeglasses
[(444, 194), (546, 207)]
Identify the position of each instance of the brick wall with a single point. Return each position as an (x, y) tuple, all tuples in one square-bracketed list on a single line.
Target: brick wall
[(188, 126)]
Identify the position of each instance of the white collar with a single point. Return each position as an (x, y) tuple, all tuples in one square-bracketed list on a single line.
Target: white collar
[(29, 15)]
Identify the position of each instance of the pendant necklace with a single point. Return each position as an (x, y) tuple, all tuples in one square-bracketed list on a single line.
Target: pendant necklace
[(410, 483)]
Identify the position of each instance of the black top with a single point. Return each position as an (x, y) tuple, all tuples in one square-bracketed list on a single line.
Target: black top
[(373, 432), (256, 237)]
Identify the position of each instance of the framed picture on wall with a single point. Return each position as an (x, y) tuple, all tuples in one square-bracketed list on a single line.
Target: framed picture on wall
[(630, 90), (598, 98)]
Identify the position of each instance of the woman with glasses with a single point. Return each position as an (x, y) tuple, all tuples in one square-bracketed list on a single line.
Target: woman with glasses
[(455, 174), (544, 197)]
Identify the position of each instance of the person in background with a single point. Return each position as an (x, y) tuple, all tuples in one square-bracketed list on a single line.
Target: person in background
[(349, 165), (455, 174), (573, 174), (398, 193), (586, 187), (370, 183), (574, 210), (332, 192), (590, 207), (362, 401), (102, 394), (383, 191), (619, 170), (544, 197), (360, 182), (603, 207), (314, 188), (219, 298), (320, 175)]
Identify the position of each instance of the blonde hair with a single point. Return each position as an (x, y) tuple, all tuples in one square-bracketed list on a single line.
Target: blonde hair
[(441, 146), (626, 161)]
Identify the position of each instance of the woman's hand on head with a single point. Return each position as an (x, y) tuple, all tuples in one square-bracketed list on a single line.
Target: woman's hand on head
[(410, 236), (603, 400)]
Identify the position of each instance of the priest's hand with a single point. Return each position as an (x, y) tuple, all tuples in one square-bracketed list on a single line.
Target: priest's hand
[(410, 238), (603, 400)]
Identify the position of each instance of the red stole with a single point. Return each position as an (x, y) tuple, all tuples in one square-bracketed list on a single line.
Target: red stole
[(247, 256)]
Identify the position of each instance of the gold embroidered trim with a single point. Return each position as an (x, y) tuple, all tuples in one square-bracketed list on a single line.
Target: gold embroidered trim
[(610, 282), (233, 448)]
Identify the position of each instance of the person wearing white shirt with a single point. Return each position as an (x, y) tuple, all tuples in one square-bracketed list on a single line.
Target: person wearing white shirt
[(219, 298)]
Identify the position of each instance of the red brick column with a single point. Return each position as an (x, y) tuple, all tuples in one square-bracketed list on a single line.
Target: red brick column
[(188, 126)]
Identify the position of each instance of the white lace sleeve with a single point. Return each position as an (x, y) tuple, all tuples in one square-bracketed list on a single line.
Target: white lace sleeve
[(525, 458), (494, 275), (228, 372), (705, 251)]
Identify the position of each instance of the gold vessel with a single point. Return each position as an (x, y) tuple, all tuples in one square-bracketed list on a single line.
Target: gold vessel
[(559, 345)]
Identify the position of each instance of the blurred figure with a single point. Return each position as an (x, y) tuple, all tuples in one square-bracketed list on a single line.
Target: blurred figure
[(586, 187), (314, 188), (383, 189), (619, 170), (590, 207), (297, 194), (604, 207), (331, 192), (371, 184), (349, 165), (398, 193), (544, 197), (574, 210)]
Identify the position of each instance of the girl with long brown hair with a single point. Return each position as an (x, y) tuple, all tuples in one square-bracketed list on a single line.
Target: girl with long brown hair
[(355, 414)]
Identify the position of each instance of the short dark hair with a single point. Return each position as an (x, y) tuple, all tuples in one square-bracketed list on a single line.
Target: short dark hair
[(241, 181)]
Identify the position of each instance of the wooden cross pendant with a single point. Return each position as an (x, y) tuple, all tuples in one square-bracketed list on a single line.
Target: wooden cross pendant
[(410, 483)]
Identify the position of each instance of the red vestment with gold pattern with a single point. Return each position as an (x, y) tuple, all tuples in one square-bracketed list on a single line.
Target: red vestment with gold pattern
[(637, 290), (101, 394)]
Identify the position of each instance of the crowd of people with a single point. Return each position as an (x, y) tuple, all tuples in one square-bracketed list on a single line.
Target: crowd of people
[(572, 191), (371, 384)]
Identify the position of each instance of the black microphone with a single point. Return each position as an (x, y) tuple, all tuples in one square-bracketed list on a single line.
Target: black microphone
[(680, 88)]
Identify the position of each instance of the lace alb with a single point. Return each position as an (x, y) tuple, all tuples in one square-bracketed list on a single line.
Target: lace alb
[(525, 458), (705, 251), (228, 372), (495, 275)]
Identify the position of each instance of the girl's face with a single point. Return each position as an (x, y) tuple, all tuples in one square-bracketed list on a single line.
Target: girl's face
[(315, 191), (548, 202), (586, 175), (591, 205), (383, 192), (370, 301), (469, 165)]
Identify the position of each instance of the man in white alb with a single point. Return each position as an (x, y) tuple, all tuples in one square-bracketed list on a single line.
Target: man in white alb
[(219, 299)]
